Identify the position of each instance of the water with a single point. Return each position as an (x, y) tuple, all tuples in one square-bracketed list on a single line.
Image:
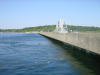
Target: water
[(33, 54)]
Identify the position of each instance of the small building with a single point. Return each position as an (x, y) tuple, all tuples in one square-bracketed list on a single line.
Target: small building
[(60, 28)]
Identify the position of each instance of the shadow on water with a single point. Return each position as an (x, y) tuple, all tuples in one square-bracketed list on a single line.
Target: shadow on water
[(78, 59)]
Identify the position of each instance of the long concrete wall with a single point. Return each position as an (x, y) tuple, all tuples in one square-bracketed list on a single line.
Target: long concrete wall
[(88, 41)]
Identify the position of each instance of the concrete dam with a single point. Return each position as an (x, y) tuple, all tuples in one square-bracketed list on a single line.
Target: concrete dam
[(90, 42)]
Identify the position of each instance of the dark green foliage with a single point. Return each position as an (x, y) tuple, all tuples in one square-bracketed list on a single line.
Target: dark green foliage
[(83, 28), (51, 28), (0, 30)]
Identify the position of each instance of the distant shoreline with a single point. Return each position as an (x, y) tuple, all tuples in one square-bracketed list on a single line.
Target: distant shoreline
[(19, 32)]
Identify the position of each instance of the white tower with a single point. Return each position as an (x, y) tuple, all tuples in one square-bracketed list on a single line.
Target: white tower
[(60, 28), (61, 22), (57, 25)]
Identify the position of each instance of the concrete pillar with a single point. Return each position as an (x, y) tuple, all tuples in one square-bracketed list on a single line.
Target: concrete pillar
[(61, 22), (57, 23)]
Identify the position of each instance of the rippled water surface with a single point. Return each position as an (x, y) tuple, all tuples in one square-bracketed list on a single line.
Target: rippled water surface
[(33, 54)]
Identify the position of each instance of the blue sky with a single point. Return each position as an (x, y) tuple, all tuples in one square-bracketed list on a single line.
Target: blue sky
[(16, 14)]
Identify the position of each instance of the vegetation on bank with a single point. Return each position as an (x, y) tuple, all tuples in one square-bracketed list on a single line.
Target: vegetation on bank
[(51, 28)]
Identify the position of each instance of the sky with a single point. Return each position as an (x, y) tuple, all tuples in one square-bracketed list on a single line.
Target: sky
[(17, 14)]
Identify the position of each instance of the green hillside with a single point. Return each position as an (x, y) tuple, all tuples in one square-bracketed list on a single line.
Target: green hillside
[(51, 28)]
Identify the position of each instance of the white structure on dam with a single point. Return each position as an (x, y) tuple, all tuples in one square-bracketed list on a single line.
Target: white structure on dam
[(60, 27)]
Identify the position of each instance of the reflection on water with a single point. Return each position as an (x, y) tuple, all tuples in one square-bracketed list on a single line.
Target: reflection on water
[(30, 54), (82, 63)]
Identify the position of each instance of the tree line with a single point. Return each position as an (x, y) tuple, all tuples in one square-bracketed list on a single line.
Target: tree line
[(51, 28)]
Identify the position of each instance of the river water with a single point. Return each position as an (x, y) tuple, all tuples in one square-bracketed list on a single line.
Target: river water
[(34, 54)]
